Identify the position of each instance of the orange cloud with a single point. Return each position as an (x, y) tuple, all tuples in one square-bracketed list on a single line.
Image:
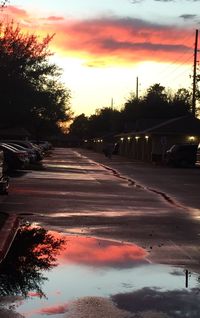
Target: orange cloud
[(54, 18), (53, 310), (15, 12), (116, 40), (104, 41), (91, 251)]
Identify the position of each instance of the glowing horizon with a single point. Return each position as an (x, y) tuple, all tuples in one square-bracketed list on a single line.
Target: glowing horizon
[(103, 48)]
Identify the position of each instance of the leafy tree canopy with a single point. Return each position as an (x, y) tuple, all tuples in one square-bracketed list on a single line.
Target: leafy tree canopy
[(31, 93), (33, 251), (79, 127), (157, 103)]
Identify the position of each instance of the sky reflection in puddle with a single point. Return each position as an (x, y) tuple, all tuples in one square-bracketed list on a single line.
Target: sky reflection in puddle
[(60, 275)]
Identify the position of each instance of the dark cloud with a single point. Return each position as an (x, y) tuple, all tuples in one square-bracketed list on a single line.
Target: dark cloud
[(177, 303), (122, 39), (128, 34), (188, 16), (110, 44), (177, 272)]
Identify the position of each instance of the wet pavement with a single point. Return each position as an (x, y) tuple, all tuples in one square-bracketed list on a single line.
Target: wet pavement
[(47, 273), (115, 232)]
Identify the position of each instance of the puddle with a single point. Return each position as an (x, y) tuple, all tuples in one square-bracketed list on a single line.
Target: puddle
[(47, 274)]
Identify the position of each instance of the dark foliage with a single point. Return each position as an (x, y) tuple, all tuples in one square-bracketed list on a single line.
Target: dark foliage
[(157, 103), (33, 251), (30, 91)]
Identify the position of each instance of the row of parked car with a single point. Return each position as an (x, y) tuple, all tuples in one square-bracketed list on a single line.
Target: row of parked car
[(19, 154)]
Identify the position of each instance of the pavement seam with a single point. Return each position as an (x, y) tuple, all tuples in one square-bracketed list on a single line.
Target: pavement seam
[(132, 182), (164, 196)]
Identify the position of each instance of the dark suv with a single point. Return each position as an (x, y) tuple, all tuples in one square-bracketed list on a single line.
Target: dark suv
[(182, 155)]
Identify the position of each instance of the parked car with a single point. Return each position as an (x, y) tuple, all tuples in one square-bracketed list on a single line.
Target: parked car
[(31, 152), (4, 180), (28, 144), (182, 155), (45, 145), (14, 158)]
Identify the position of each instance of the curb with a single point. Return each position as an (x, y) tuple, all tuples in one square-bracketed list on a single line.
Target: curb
[(7, 235)]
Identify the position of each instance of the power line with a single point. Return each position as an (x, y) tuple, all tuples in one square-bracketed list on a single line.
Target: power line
[(178, 59)]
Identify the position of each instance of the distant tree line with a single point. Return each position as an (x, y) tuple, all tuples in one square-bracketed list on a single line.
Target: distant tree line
[(156, 103), (31, 93)]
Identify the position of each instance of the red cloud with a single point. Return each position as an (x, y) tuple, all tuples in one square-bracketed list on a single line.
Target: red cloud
[(16, 12), (113, 40), (53, 310), (126, 40), (96, 252), (54, 18)]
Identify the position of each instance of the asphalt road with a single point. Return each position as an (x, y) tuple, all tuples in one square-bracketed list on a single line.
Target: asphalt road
[(81, 192)]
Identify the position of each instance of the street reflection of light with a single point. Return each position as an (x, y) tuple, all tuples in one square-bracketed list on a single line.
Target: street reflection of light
[(195, 213)]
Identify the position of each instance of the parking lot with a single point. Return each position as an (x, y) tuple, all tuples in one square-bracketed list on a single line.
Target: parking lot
[(114, 214), (77, 191)]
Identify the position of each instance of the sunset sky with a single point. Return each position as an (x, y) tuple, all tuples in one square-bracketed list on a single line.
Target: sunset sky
[(103, 46)]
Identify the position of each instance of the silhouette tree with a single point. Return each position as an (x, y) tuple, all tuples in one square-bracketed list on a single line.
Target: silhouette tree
[(133, 109), (105, 121), (33, 251), (156, 103), (79, 127), (181, 102), (30, 89)]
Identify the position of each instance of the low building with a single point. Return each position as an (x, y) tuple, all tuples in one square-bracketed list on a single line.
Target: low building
[(149, 142)]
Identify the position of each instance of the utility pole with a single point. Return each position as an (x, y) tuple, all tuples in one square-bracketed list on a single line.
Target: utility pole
[(194, 75), (112, 103), (137, 87)]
